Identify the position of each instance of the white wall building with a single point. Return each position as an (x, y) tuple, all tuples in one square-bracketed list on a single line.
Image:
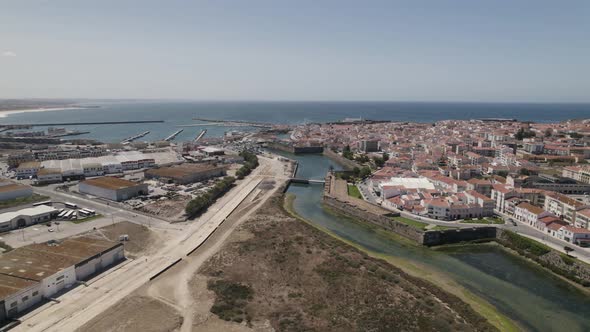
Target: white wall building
[(26, 217), (37, 272)]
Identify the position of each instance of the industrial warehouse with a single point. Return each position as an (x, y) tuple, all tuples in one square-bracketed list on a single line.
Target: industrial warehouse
[(38, 272), (26, 217), (12, 190), (186, 173), (112, 188)]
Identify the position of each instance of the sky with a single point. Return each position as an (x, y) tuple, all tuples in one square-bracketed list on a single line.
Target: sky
[(415, 50)]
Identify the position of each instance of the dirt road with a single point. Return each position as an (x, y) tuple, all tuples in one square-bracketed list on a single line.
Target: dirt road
[(83, 303)]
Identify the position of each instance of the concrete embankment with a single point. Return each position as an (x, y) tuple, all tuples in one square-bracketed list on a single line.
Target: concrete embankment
[(335, 197), (346, 163)]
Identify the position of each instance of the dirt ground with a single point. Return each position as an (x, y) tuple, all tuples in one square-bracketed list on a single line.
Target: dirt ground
[(141, 239), (172, 209), (278, 273), (137, 313)]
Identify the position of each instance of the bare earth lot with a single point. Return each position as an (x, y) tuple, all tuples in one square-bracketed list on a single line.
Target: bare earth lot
[(280, 271), (149, 315), (141, 239), (263, 270)]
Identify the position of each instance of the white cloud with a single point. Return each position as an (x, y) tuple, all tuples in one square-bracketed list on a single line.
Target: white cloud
[(8, 53)]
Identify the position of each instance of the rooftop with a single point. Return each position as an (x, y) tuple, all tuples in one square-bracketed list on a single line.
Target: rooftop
[(110, 182), (23, 267), (181, 170), (12, 187), (32, 211)]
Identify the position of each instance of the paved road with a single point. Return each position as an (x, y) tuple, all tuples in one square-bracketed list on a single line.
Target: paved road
[(368, 193), (520, 228), (525, 229), (83, 303)]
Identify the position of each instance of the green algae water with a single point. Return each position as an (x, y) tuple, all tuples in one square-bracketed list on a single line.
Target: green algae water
[(522, 291)]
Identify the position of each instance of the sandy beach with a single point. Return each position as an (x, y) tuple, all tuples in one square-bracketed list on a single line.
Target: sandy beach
[(6, 113)]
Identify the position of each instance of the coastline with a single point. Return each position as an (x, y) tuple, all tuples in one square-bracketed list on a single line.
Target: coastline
[(5, 113)]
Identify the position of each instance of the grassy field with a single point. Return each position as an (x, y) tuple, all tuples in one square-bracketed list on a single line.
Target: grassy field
[(353, 191), (413, 223), (22, 201), (79, 221), (486, 220)]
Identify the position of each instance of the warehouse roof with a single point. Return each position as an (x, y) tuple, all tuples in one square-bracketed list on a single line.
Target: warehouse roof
[(32, 211), (12, 187), (47, 171), (38, 261), (10, 285), (109, 182), (163, 157), (29, 164), (182, 170)]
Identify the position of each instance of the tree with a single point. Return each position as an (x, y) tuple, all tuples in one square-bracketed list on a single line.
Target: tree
[(524, 171), (379, 162), (356, 171), (568, 250), (362, 158), (385, 156), (548, 132), (346, 153), (365, 171)]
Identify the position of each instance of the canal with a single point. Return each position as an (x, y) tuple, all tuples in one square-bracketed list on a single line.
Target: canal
[(535, 299)]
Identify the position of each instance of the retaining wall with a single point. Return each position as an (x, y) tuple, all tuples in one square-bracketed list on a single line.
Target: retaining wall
[(346, 163), (384, 221)]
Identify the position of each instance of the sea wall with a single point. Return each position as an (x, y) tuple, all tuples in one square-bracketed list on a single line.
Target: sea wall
[(436, 238), (549, 258), (383, 221), (346, 163), (335, 200), (296, 149)]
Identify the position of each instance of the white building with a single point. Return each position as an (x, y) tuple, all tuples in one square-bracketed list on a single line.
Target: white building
[(94, 169), (28, 169), (49, 175), (392, 187), (26, 217), (530, 214), (37, 272), (575, 235)]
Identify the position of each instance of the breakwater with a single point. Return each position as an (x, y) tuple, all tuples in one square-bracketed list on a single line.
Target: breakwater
[(29, 125)]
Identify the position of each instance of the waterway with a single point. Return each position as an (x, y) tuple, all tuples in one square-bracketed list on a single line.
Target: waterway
[(530, 296)]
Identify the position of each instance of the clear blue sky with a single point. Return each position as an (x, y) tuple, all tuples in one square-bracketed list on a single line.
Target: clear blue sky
[(438, 50)]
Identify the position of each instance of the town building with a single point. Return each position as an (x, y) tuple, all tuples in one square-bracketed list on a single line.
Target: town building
[(112, 188), (369, 146), (37, 272), (563, 206), (529, 214), (575, 235)]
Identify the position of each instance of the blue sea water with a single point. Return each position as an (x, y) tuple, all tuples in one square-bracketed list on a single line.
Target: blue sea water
[(182, 113)]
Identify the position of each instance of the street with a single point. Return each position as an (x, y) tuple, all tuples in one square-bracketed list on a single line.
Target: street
[(521, 228), (81, 304)]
